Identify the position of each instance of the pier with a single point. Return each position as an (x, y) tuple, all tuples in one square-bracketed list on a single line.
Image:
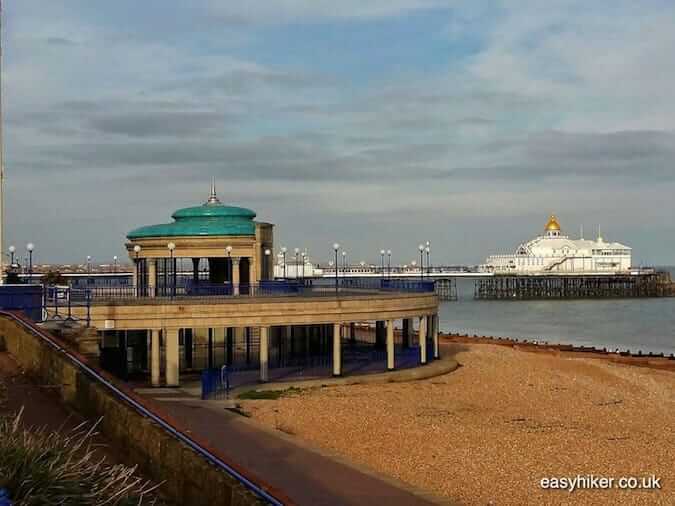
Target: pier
[(581, 286)]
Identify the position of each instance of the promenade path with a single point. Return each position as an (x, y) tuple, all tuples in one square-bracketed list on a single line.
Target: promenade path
[(307, 475), (303, 474)]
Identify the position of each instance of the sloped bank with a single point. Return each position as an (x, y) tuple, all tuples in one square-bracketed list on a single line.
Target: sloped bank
[(191, 472)]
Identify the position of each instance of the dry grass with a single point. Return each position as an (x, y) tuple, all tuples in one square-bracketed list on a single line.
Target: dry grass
[(42, 467), (487, 433)]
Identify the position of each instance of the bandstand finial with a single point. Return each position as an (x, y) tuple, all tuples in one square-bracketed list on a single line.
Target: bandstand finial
[(213, 199)]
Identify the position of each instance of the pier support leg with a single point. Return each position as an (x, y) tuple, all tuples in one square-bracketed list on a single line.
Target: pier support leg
[(337, 349), (264, 353), (390, 345), (154, 357), (172, 358), (423, 339)]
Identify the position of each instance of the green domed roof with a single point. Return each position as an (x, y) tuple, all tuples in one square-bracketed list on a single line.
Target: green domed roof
[(212, 218)]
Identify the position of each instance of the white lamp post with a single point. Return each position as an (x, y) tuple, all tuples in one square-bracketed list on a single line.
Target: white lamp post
[(336, 247), (172, 247), (30, 247)]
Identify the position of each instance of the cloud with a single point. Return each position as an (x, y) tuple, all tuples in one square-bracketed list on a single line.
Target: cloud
[(506, 113)]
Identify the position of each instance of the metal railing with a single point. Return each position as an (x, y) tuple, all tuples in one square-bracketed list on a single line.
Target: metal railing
[(64, 298)]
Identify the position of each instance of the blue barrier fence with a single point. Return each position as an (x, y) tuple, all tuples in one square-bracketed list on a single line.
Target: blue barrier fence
[(215, 383), (26, 298)]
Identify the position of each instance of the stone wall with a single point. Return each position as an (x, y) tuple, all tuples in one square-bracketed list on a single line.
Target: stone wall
[(187, 477)]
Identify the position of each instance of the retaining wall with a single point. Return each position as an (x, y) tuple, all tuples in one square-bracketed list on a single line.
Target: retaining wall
[(188, 477)]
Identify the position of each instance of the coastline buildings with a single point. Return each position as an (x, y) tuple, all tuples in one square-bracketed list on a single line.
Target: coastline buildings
[(555, 253)]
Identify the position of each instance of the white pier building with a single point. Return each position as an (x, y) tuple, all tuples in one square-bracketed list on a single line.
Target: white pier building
[(556, 253)]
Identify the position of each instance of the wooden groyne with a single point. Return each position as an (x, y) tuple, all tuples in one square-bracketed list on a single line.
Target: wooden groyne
[(626, 356), (574, 286)]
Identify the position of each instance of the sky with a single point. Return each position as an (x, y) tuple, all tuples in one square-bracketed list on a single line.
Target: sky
[(377, 124)]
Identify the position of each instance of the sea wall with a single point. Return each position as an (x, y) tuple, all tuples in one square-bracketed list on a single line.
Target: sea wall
[(187, 477)]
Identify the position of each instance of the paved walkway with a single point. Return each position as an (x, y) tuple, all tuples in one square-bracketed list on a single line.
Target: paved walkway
[(307, 476)]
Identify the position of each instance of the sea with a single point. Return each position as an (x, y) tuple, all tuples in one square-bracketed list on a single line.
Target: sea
[(645, 324)]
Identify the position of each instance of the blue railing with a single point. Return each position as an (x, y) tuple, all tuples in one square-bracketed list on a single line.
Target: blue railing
[(61, 299)]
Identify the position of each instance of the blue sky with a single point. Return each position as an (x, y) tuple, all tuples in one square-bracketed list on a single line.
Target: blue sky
[(378, 124)]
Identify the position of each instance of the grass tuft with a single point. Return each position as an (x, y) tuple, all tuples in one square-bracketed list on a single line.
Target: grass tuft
[(40, 467), (268, 394)]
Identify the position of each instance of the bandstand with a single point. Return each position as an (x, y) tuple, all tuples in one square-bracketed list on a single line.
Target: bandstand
[(203, 297)]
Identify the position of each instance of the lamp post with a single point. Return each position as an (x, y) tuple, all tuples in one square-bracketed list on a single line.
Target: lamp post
[(30, 247), (296, 251), (344, 263), (88, 270), (172, 247), (268, 252), (304, 261), (137, 250), (115, 263), (228, 250), (382, 252), (389, 263), (336, 247), (428, 250), (12, 250), (283, 252), (421, 248)]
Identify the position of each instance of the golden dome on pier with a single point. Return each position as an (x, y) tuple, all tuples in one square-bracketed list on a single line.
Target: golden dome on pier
[(553, 224)]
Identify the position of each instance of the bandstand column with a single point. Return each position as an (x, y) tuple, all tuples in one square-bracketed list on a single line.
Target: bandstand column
[(434, 335), (264, 353), (337, 349), (423, 339), (152, 276), (172, 358), (235, 276), (390, 345), (154, 357)]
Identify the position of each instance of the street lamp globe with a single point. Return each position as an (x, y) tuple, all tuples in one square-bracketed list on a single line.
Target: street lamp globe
[(296, 250), (137, 249), (382, 252), (228, 249), (336, 246), (421, 247), (30, 246), (12, 249), (284, 249), (268, 252), (171, 246)]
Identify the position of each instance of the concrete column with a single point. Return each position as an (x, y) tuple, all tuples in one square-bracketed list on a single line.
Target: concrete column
[(434, 335), (172, 358), (337, 349), (154, 357), (152, 276), (264, 353), (390, 345), (423, 339), (235, 276)]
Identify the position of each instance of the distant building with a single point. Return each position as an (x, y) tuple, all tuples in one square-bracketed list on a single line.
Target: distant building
[(554, 252)]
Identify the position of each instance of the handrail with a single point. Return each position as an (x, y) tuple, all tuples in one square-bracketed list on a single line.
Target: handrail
[(213, 459)]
